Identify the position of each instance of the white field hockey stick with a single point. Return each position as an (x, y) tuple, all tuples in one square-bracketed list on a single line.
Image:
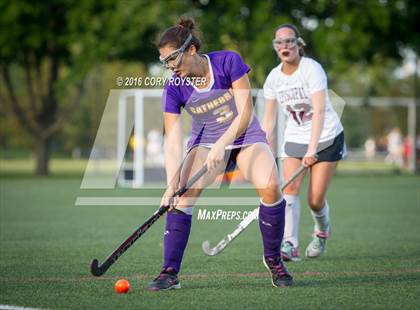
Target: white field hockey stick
[(244, 224)]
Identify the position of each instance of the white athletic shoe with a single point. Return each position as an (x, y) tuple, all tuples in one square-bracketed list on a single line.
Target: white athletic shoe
[(289, 253), (318, 244)]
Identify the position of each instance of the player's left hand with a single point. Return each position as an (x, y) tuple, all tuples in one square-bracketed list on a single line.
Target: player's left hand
[(167, 199), (215, 156), (309, 159)]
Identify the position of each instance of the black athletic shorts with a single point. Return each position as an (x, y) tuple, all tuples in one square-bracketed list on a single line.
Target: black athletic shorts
[(332, 150), (231, 156)]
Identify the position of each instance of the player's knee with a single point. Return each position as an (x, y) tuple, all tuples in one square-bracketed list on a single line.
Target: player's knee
[(189, 198), (271, 194), (316, 202), (292, 189)]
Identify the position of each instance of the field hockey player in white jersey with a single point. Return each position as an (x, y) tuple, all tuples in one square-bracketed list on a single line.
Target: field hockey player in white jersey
[(313, 136)]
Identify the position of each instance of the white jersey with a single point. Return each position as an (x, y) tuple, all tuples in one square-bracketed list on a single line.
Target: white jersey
[(293, 92)]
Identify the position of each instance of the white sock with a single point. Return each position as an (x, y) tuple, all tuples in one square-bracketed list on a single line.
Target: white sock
[(291, 225), (322, 218), (188, 210), (275, 204)]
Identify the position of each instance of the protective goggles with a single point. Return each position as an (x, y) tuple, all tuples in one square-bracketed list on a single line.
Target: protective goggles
[(291, 42), (176, 56)]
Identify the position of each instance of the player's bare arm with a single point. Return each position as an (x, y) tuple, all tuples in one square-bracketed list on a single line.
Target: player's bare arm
[(318, 103), (173, 153), (270, 117)]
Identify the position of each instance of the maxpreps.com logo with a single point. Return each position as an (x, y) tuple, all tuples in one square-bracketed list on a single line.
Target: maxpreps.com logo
[(219, 214)]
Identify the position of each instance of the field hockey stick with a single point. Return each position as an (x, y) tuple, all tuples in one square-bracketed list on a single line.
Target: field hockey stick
[(98, 270), (244, 224)]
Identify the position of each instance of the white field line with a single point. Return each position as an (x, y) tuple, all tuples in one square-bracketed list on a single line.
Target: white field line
[(8, 307)]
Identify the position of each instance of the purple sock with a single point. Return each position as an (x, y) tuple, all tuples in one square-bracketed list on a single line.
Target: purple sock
[(177, 231), (272, 227)]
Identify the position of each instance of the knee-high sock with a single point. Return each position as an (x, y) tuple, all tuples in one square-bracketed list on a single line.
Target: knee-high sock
[(322, 220), (291, 226), (175, 239), (271, 220)]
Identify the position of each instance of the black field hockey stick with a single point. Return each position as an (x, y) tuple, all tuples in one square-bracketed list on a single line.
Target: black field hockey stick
[(98, 270), (244, 224)]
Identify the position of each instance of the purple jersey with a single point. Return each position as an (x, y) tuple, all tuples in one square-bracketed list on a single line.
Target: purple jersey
[(213, 109)]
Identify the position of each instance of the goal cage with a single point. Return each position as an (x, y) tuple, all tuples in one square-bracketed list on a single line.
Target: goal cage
[(128, 149)]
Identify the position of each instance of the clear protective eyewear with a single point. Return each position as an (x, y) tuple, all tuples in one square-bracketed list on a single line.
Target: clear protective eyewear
[(175, 56), (291, 42)]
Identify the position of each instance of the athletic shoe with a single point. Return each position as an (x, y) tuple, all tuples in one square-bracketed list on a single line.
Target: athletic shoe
[(318, 244), (166, 280), (289, 252), (280, 276)]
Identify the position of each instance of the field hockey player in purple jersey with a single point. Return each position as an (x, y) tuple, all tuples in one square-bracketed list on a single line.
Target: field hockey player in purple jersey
[(225, 132)]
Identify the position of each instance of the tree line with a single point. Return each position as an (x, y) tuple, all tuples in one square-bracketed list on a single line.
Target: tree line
[(58, 58)]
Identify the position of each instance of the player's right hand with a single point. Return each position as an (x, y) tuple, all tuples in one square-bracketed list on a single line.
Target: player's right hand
[(309, 159)]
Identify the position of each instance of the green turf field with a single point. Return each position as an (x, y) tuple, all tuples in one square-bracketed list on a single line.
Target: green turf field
[(46, 244)]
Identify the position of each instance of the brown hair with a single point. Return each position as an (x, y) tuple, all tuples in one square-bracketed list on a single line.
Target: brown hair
[(300, 41), (176, 35)]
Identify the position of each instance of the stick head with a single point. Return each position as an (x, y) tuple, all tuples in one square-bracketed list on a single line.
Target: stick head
[(206, 247), (207, 250), (94, 268)]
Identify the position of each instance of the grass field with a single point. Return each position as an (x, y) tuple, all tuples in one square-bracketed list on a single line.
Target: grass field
[(46, 244)]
